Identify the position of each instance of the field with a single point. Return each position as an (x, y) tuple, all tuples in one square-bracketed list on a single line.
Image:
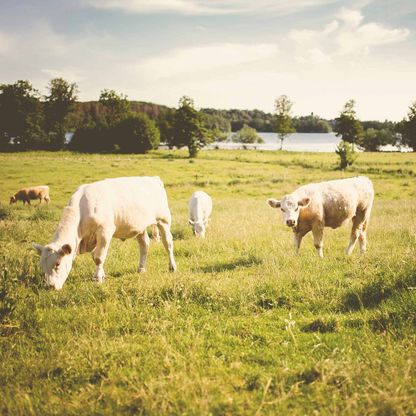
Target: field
[(244, 327)]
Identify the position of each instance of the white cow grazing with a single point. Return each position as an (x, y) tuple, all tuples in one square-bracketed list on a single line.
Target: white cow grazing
[(200, 208), (97, 212), (328, 204)]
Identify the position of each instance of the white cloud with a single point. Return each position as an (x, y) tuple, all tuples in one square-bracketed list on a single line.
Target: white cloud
[(351, 18), (7, 43), (202, 60), (347, 36), (206, 7)]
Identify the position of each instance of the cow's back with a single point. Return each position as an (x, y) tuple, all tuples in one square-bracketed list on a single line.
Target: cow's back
[(338, 200), (130, 204)]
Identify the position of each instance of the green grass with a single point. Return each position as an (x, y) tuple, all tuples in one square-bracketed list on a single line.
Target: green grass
[(244, 327)]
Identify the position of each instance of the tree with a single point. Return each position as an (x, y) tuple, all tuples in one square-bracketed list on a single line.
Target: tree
[(283, 124), (373, 139), (136, 134), (58, 105), (408, 128), (347, 125), (311, 124), (247, 135), (21, 117), (116, 106), (188, 127), (346, 153), (351, 131)]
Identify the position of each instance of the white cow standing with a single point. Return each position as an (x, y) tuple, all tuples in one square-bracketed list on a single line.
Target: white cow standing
[(328, 204), (200, 208), (97, 212)]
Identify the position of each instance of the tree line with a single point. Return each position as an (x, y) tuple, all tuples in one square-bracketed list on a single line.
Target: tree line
[(31, 121)]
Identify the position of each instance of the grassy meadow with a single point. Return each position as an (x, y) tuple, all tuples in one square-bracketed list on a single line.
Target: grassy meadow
[(244, 327)]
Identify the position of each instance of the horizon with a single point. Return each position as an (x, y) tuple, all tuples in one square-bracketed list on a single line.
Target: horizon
[(224, 54)]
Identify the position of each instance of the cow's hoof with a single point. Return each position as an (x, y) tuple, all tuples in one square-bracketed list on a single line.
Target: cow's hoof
[(172, 268), (141, 270)]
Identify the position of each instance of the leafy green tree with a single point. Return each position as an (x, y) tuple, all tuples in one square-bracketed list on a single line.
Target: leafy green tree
[(311, 124), (283, 124), (347, 125), (247, 135), (188, 127), (351, 131), (408, 128), (91, 138), (116, 106), (346, 153), (136, 134), (165, 124), (373, 139), (21, 117), (58, 105)]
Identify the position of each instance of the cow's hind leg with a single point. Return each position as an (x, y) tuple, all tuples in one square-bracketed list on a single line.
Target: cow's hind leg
[(144, 243), (104, 237), (356, 231), (167, 240), (155, 233), (362, 238)]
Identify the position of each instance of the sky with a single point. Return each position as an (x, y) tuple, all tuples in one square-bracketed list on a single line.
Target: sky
[(222, 53)]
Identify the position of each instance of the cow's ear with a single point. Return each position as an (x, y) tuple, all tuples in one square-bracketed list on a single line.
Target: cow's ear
[(274, 203), (65, 249), (38, 248), (304, 202), (191, 222)]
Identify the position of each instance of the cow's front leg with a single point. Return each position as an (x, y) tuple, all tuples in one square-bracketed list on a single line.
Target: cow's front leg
[(104, 237), (144, 242), (297, 239), (318, 237)]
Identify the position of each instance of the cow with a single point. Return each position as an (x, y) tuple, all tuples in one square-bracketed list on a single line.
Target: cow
[(200, 208), (34, 192), (328, 204), (97, 212)]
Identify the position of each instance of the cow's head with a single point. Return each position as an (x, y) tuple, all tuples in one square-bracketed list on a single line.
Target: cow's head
[(290, 207), (13, 200), (198, 228), (56, 263)]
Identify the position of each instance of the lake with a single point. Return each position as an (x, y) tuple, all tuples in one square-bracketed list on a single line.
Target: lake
[(297, 142)]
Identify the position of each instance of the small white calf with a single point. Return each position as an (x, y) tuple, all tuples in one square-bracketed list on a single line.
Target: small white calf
[(97, 212), (328, 204), (200, 208)]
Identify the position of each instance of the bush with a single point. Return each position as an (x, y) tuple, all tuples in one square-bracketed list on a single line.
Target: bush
[(136, 134), (346, 153), (92, 138), (247, 135)]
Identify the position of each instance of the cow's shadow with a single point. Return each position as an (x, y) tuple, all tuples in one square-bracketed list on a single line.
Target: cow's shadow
[(241, 262)]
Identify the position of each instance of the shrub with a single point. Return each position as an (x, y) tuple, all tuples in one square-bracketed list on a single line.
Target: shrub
[(247, 135), (346, 153), (136, 134)]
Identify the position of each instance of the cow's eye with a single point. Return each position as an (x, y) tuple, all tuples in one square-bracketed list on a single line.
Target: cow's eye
[(281, 209), (57, 265), (297, 209)]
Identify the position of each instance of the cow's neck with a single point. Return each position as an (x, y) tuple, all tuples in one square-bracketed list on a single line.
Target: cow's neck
[(68, 227)]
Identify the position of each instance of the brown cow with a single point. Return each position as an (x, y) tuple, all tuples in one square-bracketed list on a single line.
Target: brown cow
[(34, 192)]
